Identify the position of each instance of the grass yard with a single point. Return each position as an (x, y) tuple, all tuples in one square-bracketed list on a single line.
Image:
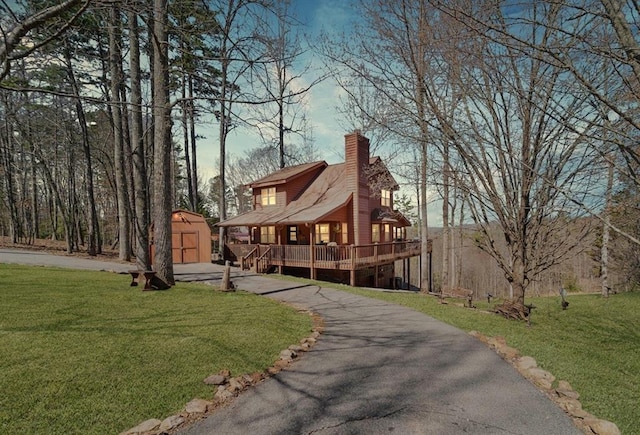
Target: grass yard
[(82, 352), (594, 344)]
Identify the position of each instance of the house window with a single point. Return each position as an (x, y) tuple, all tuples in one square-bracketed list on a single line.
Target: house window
[(375, 233), (268, 234), (385, 199), (387, 233), (345, 232), (322, 233), (268, 195), (293, 234)]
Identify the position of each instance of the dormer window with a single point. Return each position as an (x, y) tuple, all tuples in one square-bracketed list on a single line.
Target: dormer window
[(268, 196), (385, 198)]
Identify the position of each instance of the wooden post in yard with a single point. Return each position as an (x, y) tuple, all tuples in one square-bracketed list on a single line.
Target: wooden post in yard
[(225, 285)]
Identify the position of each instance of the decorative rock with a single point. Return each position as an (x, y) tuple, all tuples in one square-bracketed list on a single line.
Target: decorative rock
[(305, 347), (253, 378), (572, 407), (311, 340), (507, 352), (273, 370), (223, 395), (295, 348), (288, 355), (217, 379), (496, 342), (170, 423), (602, 427), (315, 334), (281, 363), (541, 377), (197, 406), (526, 363), (564, 390), (235, 385), (145, 426)]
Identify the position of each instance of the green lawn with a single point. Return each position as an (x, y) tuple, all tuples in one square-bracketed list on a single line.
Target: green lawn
[(594, 344), (82, 352)]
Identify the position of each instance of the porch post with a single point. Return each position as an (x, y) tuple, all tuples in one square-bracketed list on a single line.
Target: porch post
[(376, 271), (420, 268), (352, 272), (281, 248), (408, 280), (312, 254), (255, 261)]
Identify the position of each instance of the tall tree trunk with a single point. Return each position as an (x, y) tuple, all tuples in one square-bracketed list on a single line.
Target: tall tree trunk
[(92, 226), (445, 217), (194, 156), (162, 180), (124, 229), (604, 250), (34, 195), (141, 208), (185, 138), (6, 159)]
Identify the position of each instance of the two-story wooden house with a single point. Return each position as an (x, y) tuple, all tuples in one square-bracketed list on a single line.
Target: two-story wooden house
[(332, 222)]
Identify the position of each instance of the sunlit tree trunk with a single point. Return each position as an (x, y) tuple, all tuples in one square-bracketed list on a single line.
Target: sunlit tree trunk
[(124, 229), (162, 179), (141, 193)]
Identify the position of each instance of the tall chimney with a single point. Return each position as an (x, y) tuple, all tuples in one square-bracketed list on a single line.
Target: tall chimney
[(356, 153)]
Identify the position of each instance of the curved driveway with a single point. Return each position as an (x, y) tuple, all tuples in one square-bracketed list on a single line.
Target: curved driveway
[(377, 368)]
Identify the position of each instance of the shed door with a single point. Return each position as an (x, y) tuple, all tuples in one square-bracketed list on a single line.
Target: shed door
[(185, 247)]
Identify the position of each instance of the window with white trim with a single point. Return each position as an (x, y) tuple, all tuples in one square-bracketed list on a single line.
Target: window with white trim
[(385, 198), (268, 234), (268, 196), (323, 233), (375, 233)]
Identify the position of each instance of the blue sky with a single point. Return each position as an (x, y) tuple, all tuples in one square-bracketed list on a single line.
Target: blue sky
[(330, 16)]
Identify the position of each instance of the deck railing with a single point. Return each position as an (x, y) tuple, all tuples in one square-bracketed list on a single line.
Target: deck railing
[(340, 257)]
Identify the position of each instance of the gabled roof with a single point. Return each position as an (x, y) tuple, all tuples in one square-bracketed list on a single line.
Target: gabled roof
[(287, 174), (380, 170), (327, 194)]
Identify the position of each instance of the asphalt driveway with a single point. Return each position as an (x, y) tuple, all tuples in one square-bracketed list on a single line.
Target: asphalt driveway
[(377, 368)]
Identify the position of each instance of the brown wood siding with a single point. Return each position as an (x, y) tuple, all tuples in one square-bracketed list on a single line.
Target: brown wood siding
[(191, 238), (375, 201), (340, 215), (296, 186), (281, 196)]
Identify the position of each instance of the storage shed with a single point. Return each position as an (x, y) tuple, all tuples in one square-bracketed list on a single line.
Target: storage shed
[(191, 237)]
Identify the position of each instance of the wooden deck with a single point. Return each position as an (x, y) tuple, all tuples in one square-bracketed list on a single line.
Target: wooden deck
[(341, 257)]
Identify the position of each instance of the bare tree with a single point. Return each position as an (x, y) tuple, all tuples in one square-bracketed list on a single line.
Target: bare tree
[(280, 80), (520, 152), (15, 28), (596, 45), (398, 54)]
